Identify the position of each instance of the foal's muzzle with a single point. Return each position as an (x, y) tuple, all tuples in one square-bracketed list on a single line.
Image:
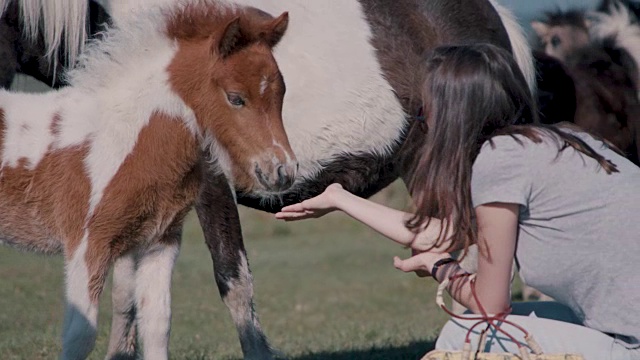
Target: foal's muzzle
[(278, 177)]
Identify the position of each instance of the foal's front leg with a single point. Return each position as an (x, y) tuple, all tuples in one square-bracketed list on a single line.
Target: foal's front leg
[(154, 267), (123, 339), (84, 284), (141, 300), (218, 214)]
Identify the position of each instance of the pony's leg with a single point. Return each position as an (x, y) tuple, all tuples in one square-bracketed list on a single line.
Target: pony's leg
[(153, 293), (84, 284), (123, 341), (218, 214)]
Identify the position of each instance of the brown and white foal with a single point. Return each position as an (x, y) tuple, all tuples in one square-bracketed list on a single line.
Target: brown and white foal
[(108, 167)]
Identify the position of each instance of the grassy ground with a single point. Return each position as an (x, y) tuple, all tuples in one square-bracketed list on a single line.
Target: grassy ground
[(324, 289)]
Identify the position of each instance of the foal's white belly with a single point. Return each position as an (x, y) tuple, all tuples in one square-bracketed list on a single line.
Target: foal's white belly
[(39, 244)]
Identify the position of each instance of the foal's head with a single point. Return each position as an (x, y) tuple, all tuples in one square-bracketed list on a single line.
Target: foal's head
[(225, 71), (562, 33)]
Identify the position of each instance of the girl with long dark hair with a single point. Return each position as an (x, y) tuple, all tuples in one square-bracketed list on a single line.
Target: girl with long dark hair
[(561, 202)]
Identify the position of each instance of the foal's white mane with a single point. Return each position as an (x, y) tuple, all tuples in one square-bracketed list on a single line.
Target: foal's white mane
[(132, 41), (121, 45)]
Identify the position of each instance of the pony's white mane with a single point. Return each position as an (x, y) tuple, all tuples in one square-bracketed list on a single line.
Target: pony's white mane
[(62, 23), (519, 44), (132, 41), (620, 25)]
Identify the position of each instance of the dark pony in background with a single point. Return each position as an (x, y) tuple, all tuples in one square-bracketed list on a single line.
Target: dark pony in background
[(598, 53), (556, 89), (352, 112)]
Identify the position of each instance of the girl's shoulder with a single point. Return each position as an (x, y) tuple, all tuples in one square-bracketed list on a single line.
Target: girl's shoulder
[(515, 145), (503, 151), (517, 150), (544, 149)]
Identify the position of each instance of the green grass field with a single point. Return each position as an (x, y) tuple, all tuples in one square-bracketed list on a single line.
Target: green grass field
[(324, 289)]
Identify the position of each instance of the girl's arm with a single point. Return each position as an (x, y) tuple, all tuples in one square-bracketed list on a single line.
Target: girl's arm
[(497, 233), (388, 222)]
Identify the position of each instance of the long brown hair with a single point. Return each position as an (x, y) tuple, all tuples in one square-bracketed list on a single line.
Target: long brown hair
[(471, 93)]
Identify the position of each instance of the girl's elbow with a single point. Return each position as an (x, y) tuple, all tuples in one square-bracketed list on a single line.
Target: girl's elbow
[(490, 306)]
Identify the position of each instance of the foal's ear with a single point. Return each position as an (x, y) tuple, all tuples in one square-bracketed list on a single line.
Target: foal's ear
[(540, 28), (275, 29), (232, 39)]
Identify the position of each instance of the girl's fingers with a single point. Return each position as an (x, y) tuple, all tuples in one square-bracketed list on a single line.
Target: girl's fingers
[(293, 208), (298, 215), (411, 264), (289, 214)]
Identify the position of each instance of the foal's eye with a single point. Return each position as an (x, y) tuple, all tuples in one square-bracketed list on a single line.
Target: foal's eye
[(555, 41), (235, 100)]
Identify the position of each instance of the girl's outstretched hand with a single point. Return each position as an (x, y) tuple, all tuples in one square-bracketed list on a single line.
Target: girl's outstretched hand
[(419, 262), (314, 207)]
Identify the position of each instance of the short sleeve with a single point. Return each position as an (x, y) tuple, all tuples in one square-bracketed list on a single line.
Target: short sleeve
[(501, 173)]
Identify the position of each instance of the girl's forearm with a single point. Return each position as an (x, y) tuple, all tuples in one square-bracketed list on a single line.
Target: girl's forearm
[(388, 222), (459, 288), (460, 291)]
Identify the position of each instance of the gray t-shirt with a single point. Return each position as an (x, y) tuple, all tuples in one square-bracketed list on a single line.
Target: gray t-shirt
[(579, 228)]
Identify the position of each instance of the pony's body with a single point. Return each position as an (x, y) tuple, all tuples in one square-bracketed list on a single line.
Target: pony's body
[(66, 152), (607, 97), (556, 89), (108, 167), (348, 117), (604, 70)]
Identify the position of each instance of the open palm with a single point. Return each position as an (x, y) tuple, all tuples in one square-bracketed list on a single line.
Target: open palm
[(312, 208)]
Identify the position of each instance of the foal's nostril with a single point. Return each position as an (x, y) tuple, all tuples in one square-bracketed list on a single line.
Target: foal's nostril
[(284, 180), (262, 178)]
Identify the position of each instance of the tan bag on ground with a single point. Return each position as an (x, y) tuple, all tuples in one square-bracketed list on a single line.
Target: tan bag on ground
[(493, 322), (457, 355)]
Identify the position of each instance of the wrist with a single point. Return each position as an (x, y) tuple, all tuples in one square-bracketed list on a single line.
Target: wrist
[(440, 265), (437, 257), (338, 198)]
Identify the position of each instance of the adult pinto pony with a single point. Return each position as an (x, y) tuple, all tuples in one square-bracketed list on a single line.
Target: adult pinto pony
[(108, 167), (352, 112)]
